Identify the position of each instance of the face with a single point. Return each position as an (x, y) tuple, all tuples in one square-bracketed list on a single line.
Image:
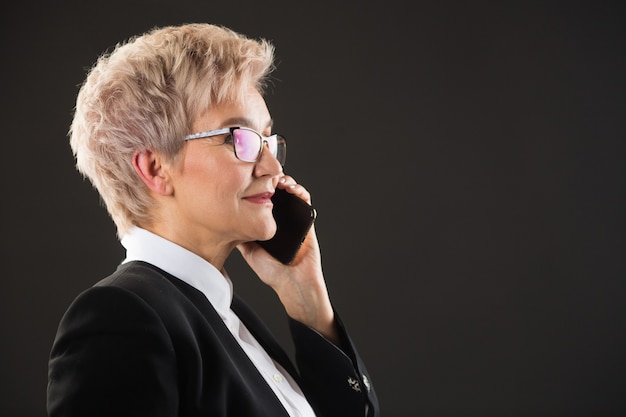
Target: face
[(220, 201)]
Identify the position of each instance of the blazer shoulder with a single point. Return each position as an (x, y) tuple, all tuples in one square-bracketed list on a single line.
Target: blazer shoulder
[(150, 283), (170, 297), (136, 274)]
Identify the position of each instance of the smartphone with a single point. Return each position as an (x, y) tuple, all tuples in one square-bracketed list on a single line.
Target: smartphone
[(294, 217)]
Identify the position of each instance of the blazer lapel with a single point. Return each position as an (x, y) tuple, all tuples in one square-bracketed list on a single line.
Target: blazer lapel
[(247, 316), (263, 335)]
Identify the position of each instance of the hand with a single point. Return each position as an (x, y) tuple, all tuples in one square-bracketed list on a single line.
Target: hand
[(299, 286)]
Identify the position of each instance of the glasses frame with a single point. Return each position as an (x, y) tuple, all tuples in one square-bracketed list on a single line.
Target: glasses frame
[(280, 140)]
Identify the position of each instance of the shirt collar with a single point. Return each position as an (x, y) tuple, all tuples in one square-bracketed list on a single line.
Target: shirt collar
[(142, 245)]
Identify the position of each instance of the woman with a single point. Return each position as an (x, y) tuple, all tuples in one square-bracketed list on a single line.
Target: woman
[(173, 131)]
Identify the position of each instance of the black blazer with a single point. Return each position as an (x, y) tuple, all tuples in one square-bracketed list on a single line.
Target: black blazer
[(143, 343)]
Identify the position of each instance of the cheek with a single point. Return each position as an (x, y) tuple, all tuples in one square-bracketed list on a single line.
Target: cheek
[(229, 181), (215, 177)]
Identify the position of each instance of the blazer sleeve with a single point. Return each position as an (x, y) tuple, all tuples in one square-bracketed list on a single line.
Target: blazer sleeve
[(334, 379), (103, 364)]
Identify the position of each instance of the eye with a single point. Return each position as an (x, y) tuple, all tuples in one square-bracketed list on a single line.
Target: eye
[(229, 138)]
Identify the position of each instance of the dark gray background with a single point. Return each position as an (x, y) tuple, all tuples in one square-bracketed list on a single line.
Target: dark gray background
[(466, 160)]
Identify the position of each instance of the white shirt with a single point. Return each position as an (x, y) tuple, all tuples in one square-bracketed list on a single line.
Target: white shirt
[(142, 245)]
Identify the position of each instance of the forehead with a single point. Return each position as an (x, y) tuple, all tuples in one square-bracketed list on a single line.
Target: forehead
[(250, 112)]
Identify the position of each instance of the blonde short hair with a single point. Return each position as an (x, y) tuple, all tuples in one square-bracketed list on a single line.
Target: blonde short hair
[(146, 94)]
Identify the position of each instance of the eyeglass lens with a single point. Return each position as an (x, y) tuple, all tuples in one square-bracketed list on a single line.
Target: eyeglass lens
[(248, 145)]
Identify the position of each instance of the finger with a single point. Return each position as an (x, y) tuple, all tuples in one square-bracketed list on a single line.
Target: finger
[(289, 184), (287, 181)]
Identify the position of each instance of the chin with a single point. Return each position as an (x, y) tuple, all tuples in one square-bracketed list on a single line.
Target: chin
[(265, 229), (267, 235), (270, 231)]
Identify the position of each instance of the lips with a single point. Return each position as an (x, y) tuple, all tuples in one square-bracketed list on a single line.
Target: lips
[(261, 198)]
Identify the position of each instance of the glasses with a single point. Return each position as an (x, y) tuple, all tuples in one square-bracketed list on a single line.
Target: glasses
[(248, 143)]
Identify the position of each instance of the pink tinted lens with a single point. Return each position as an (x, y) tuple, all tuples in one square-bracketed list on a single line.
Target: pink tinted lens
[(272, 143), (247, 145)]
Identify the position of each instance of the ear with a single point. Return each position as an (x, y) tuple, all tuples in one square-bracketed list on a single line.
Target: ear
[(152, 171)]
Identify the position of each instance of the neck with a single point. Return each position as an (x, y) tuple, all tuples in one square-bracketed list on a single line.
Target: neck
[(203, 245)]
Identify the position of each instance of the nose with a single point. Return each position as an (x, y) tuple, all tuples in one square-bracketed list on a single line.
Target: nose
[(267, 163)]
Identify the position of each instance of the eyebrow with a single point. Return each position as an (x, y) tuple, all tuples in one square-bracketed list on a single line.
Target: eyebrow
[(245, 122)]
